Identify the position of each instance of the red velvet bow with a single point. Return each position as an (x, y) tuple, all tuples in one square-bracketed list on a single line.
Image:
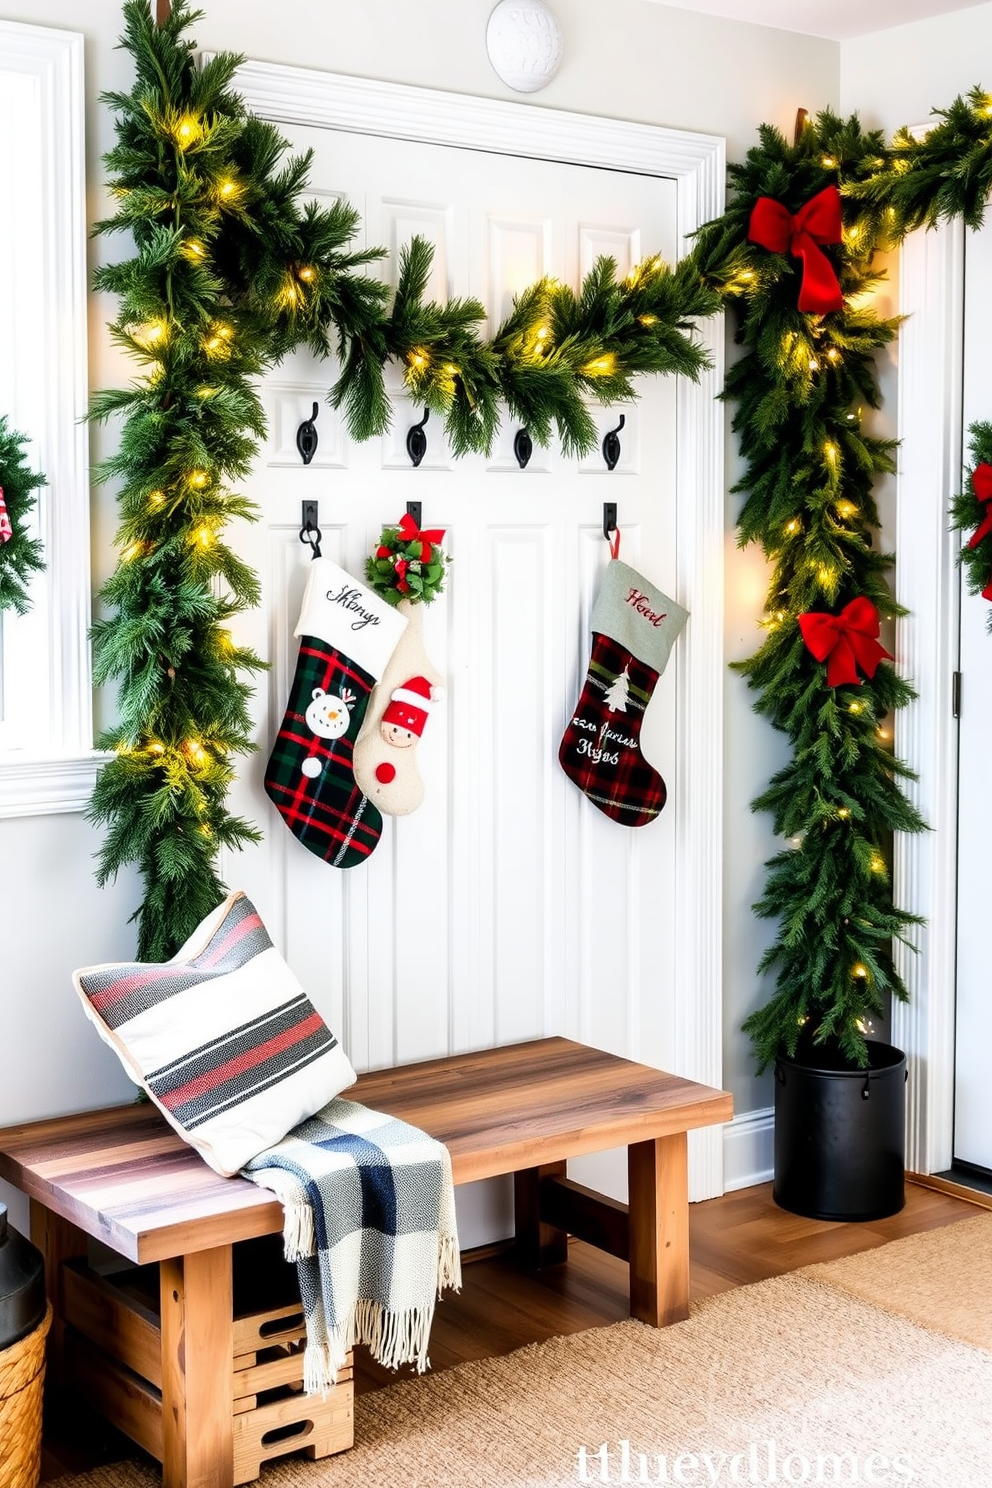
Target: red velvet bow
[(410, 532), (848, 638), (819, 221), (6, 528)]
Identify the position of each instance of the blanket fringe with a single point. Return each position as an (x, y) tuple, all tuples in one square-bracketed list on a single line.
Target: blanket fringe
[(449, 1264), (392, 1338)]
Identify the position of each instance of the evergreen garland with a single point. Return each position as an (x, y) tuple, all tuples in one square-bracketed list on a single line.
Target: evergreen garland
[(20, 554), (945, 173), (970, 513), (230, 272), (799, 390)]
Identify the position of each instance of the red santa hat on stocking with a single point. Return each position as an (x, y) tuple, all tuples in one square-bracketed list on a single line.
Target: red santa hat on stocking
[(410, 704)]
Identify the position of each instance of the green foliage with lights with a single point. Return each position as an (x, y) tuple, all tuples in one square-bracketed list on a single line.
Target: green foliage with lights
[(799, 390), (944, 173), (20, 553), (230, 271)]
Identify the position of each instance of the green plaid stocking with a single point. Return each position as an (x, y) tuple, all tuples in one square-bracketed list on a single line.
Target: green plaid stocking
[(347, 635), (634, 626)]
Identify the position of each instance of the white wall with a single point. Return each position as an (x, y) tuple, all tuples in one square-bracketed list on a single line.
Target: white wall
[(624, 58), (899, 76)]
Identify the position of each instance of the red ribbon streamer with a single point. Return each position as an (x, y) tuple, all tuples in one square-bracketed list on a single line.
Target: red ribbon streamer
[(6, 528), (849, 639), (981, 484), (774, 227)]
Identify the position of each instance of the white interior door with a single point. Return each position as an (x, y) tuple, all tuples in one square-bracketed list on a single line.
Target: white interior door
[(506, 907), (973, 1033)]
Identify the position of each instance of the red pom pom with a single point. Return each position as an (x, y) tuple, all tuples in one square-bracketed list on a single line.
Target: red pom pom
[(385, 773)]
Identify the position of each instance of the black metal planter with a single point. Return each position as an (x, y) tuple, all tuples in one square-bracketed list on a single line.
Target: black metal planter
[(839, 1135)]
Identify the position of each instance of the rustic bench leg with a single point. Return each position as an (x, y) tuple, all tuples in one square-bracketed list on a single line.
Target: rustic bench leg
[(658, 1176), (197, 1370), (538, 1244), (58, 1241)]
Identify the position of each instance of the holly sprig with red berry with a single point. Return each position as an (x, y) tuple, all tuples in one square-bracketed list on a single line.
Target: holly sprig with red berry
[(408, 563)]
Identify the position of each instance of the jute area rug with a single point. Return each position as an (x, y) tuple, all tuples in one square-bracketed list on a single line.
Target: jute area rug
[(875, 1369)]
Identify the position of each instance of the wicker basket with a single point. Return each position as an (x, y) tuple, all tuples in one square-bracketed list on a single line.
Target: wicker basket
[(22, 1376)]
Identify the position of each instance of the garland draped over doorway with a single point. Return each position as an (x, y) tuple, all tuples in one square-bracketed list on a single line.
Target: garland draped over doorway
[(231, 270)]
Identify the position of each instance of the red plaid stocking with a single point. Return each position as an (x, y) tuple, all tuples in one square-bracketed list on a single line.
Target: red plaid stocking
[(634, 626), (347, 636)]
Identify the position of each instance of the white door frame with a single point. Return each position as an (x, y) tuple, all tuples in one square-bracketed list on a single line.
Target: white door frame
[(696, 162), (931, 350)]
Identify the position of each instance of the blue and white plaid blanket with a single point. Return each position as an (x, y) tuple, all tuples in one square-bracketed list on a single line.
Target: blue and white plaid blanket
[(370, 1222)]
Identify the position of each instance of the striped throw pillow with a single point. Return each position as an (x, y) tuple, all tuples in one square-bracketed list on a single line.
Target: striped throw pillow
[(223, 1037)]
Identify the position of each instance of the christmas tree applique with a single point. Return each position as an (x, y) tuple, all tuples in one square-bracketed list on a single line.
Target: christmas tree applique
[(618, 693)]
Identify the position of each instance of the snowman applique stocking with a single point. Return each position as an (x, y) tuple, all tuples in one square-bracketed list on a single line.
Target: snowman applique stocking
[(634, 626), (347, 635)]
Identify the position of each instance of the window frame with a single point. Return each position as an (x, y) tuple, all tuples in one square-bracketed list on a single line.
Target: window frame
[(55, 773)]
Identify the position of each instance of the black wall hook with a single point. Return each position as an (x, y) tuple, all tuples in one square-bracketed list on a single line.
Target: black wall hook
[(611, 444), (609, 518), (523, 447), (416, 440), (309, 531), (306, 437), (415, 509)]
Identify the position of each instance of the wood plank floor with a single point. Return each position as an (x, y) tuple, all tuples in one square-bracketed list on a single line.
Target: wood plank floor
[(735, 1240)]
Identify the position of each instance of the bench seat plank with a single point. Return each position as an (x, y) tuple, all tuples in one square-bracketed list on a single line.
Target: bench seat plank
[(125, 1177)]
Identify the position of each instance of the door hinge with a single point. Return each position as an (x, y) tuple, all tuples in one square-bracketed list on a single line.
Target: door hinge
[(955, 694)]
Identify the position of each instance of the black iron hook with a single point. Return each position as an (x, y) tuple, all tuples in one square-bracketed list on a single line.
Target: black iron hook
[(523, 447), (306, 437), (309, 531), (609, 518), (416, 440), (611, 444)]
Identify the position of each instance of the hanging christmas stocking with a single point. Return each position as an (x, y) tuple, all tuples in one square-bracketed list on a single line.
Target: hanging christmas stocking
[(347, 635), (634, 626), (386, 750)]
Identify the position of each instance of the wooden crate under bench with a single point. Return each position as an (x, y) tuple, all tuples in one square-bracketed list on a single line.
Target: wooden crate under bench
[(112, 1358)]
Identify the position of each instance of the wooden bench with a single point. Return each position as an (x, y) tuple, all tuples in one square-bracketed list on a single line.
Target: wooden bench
[(124, 1177)]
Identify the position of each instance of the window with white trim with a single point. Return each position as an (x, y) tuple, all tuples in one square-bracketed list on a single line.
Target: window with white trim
[(46, 746)]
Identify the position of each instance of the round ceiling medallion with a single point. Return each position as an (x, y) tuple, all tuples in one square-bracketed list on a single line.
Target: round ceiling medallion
[(524, 44)]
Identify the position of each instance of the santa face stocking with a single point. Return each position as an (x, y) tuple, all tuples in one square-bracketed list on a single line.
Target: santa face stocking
[(347, 635), (634, 626), (386, 751)]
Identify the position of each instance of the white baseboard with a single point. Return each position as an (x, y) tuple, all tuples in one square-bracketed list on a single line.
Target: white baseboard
[(748, 1149)]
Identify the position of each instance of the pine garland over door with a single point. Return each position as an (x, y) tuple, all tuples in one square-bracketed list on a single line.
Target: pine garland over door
[(232, 270)]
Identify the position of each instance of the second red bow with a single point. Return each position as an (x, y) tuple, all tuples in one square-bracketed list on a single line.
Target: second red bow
[(774, 227), (849, 640)]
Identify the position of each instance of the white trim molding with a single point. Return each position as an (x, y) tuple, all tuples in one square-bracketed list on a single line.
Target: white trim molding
[(697, 163), (927, 583), (749, 1149), (29, 782)]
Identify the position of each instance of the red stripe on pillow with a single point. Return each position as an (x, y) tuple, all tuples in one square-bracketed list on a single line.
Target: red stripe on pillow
[(219, 949), (234, 1067), (117, 991)]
